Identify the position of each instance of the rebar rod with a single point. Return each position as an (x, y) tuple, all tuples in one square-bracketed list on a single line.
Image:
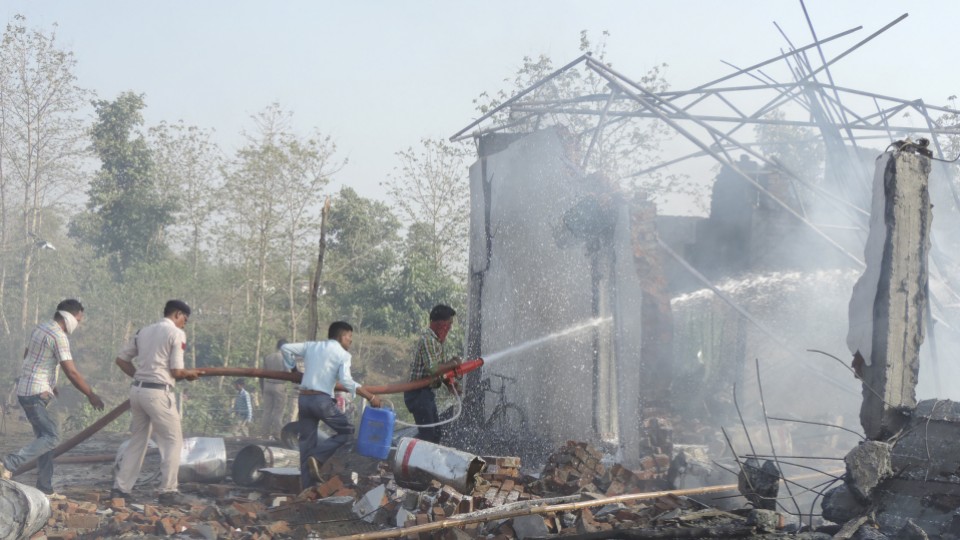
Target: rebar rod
[(596, 133), (773, 448), (616, 78), (516, 97), (776, 58), (817, 424)]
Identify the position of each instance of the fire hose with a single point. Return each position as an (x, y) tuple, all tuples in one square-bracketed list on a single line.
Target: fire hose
[(449, 373)]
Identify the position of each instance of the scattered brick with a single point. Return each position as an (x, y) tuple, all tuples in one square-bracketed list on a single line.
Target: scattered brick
[(83, 521)]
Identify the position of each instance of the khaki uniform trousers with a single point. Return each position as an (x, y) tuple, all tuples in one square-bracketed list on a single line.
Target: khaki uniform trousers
[(274, 401), (154, 412)]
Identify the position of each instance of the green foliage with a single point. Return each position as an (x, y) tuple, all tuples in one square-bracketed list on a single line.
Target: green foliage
[(362, 245), (168, 216), (127, 211), (423, 283)]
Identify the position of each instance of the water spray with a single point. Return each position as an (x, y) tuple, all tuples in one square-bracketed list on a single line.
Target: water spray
[(597, 321)]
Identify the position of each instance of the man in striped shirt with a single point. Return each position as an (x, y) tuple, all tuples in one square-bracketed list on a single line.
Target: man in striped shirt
[(242, 408), (430, 360), (49, 349)]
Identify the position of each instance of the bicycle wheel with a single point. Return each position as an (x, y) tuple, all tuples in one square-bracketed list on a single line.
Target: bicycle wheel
[(509, 418), (506, 429)]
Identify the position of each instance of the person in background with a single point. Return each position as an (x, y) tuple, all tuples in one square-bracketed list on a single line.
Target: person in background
[(325, 363), (430, 360), (48, 349), (242, 408), (274, 394), (153, 406)]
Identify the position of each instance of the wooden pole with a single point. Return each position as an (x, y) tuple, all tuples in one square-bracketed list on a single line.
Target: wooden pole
[(314, 322), (79, 437), (567, 507), (546, 509)]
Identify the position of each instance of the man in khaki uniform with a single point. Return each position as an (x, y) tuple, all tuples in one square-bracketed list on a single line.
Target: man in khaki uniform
[(274, 394), (159, 348)]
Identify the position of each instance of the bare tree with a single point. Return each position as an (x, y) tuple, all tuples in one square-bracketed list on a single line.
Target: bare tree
[(430, 188), (41, 143), (188, 164), (273, 191)]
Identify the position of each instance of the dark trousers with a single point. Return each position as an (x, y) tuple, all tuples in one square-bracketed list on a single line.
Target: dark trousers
[(48, 436), (316, 408), (423, 404)]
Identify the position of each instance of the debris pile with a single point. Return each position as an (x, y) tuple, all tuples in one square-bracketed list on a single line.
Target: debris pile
[(575, 494), (113, 518), (577, 467)]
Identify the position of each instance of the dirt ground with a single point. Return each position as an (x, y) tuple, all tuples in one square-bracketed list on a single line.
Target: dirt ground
[(97, 455)]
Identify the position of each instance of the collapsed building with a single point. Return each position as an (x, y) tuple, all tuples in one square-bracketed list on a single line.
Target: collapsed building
[(688, 314)]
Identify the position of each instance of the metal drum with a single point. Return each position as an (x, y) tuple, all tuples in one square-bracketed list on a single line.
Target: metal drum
[(249, 461), (203, 459), (417, 462)]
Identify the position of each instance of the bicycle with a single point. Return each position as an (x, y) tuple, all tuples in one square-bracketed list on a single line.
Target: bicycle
[(507, 421)]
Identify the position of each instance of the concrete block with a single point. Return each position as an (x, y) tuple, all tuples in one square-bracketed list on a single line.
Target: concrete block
[(868, 532), (766, 521), (840, 506), (867, 465), (366, 506), (529, 527), (402, 517)]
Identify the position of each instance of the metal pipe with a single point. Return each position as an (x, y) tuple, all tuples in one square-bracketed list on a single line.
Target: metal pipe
[(526, 91), (774, 59), (596, 133)]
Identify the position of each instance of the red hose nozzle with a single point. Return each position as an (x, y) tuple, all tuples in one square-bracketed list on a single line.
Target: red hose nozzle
[(464, 368)]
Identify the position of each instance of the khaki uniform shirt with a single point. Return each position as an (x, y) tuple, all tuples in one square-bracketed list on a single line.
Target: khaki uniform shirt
[(274, 362), (159, 348)]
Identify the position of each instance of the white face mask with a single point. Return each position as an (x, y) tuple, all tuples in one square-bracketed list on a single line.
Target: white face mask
[(69, 321)]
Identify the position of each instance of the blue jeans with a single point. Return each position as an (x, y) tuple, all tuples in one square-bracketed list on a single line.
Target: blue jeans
[(316, 408), (48, 437), (423, 404)]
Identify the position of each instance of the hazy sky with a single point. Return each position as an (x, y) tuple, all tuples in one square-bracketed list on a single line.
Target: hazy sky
[(380, 75)]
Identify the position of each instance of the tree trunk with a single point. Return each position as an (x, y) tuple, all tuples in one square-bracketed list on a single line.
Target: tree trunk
[(315, 284)]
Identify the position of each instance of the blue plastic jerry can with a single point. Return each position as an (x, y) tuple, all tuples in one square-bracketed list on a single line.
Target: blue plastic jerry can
[(376, 432)]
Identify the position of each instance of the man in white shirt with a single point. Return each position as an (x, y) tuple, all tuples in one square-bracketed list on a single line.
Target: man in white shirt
[(325, 363)]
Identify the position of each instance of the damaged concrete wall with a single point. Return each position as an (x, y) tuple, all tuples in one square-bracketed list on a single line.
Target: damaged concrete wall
[(630, 333), (909, 482), (542, 260), (889, 303)]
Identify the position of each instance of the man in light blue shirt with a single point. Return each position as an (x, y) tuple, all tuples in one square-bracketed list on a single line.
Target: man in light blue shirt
[(325, 363)]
